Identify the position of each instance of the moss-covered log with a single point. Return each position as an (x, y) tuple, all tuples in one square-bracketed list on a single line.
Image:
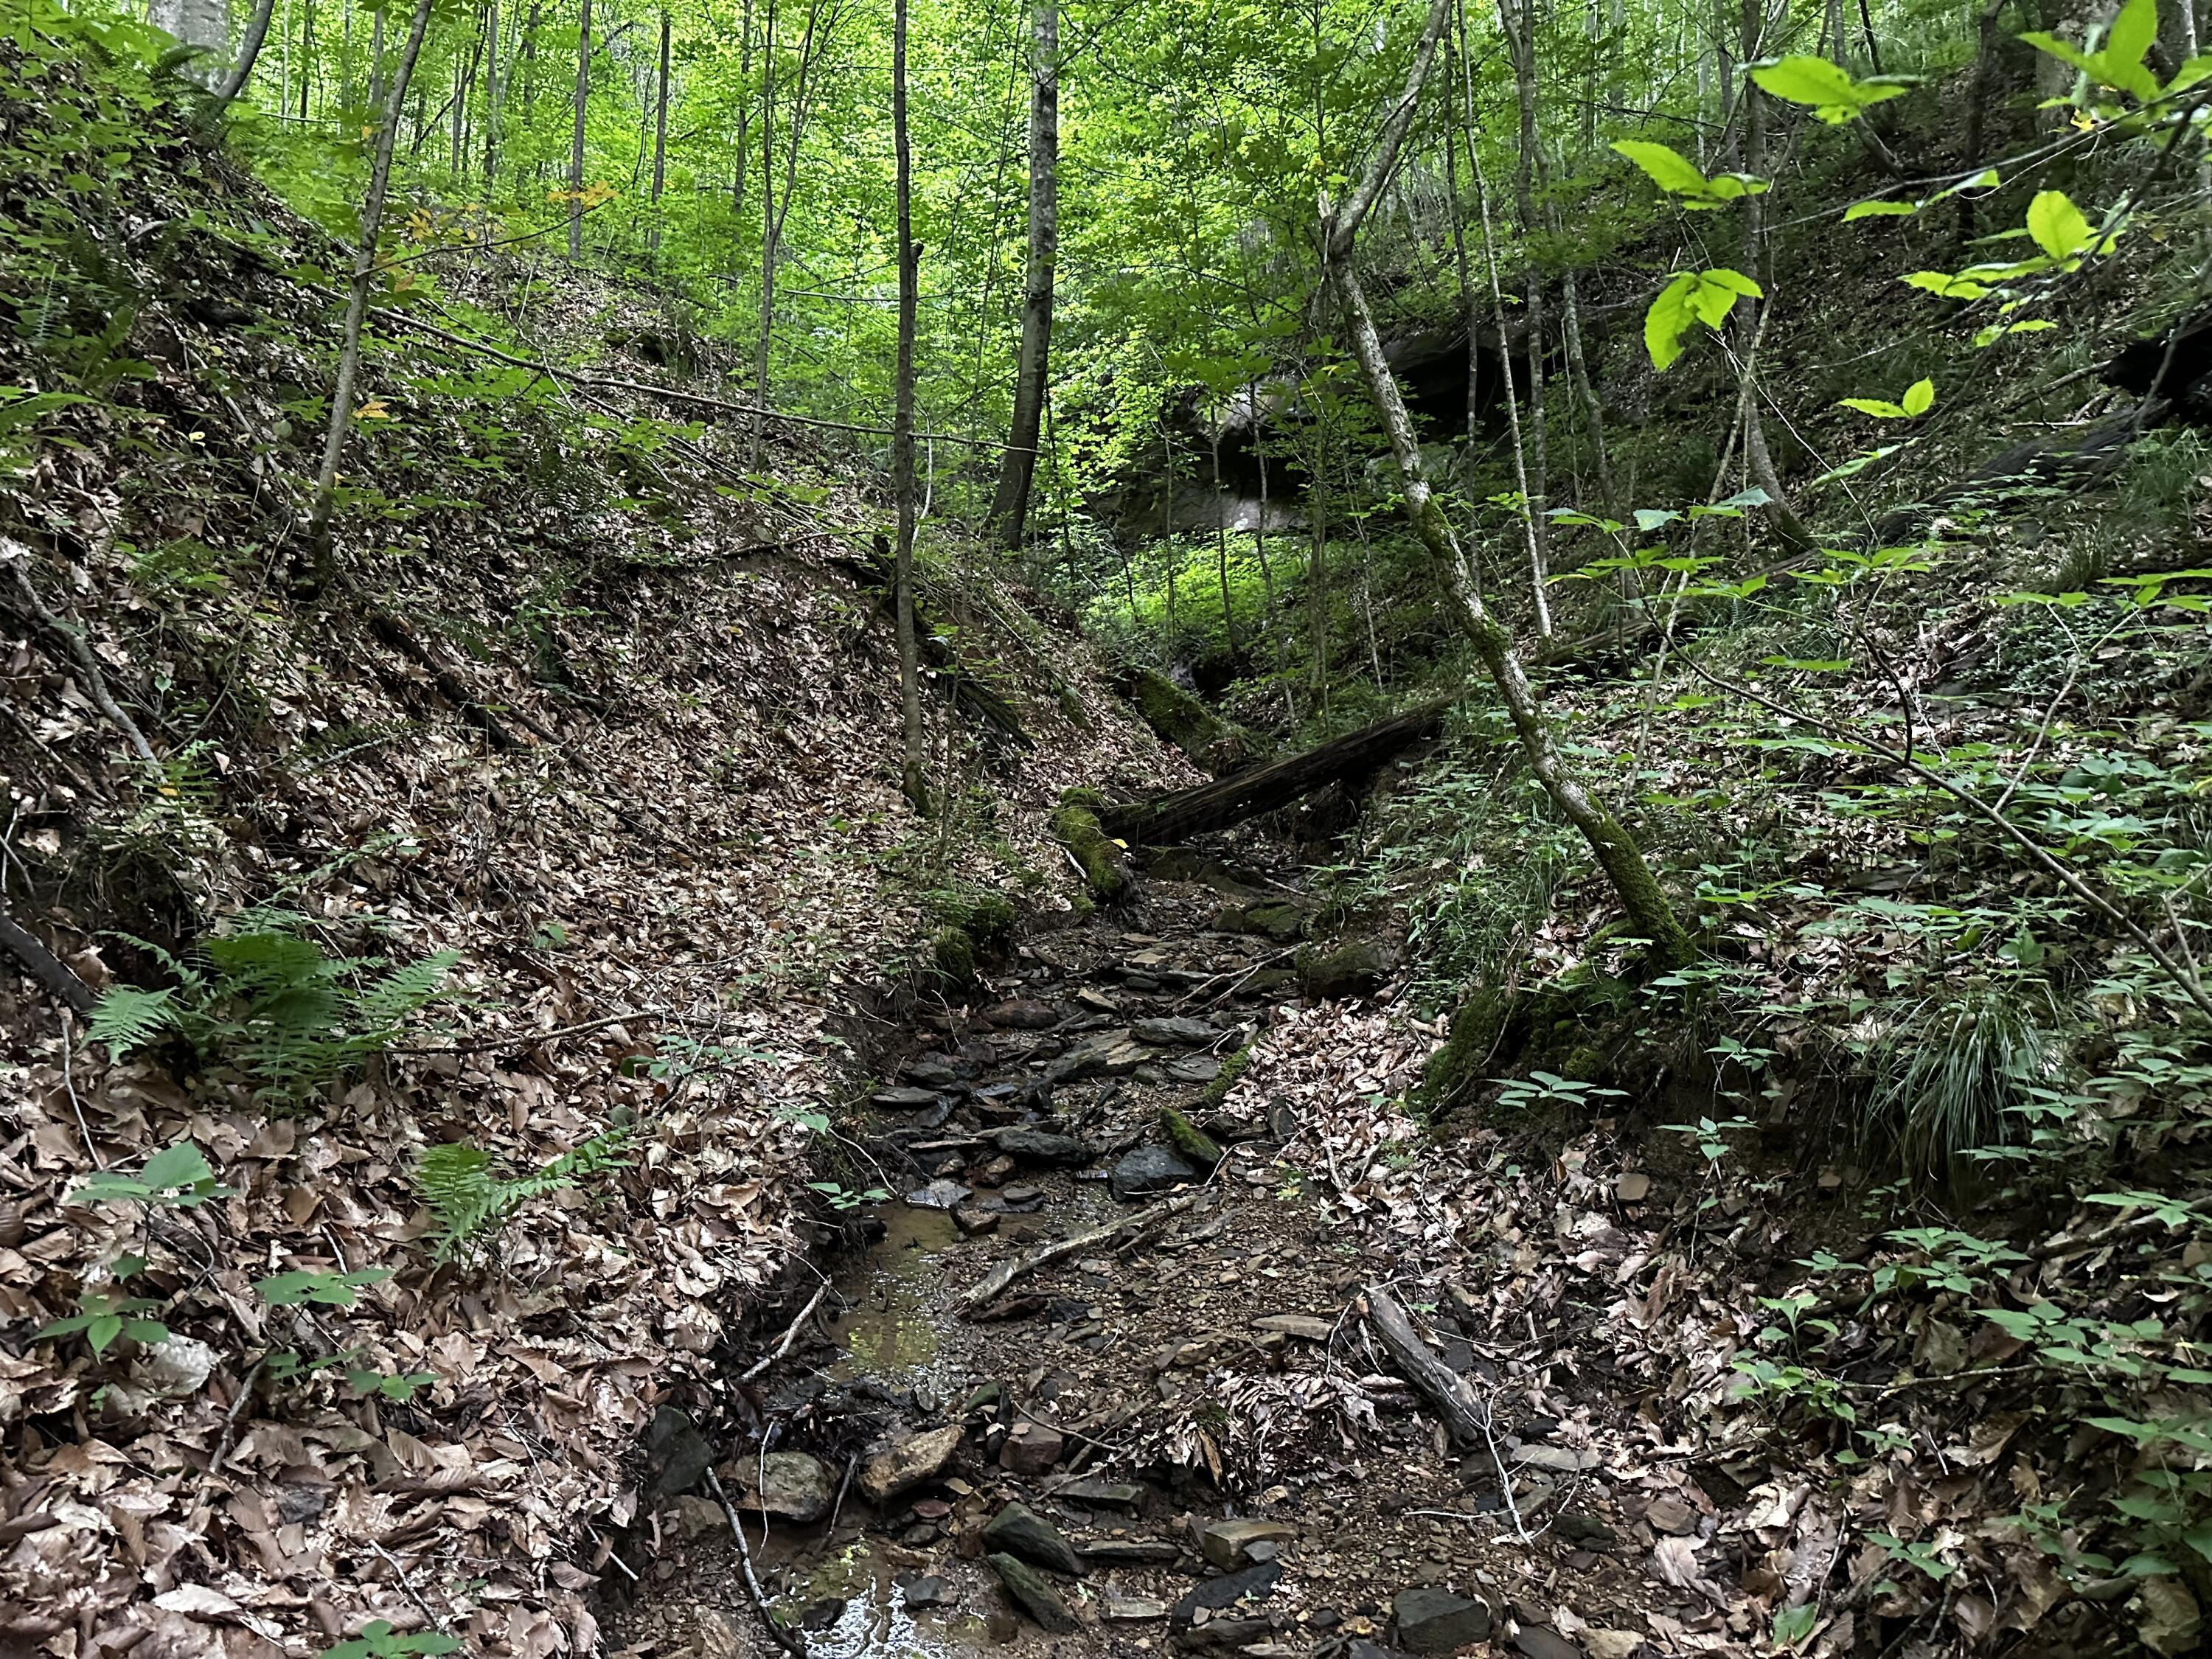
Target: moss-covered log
[(1095, 852), (1183, 720)]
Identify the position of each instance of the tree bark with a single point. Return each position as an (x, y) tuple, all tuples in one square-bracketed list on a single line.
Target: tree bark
[(659, 141), (910, 282), (576, 131), (1615, 850), (249, 52), (364, 270), (768, 237), (1017, 469), (1517, 19), (491, 91)]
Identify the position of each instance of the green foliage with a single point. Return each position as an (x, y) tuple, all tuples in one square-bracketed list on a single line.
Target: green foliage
[(1830, 92), (102, 1318), (1692, 297), (377, 1640), (265, 999), (327, 1290), (1955, 1067), (177, 1177), (470, 1197), (1678, 177), (1920, 398)]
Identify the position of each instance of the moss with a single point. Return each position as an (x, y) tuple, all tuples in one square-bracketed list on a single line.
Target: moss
[(1480, 1028), (956, 955), (1105, 877), (1232, 1068), (1573, 1026), (1181, 719), (1280, 920), (1192, 1142), (1349, 970)]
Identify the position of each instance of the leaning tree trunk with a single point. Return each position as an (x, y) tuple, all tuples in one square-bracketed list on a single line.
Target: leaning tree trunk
[(1010, 508), (576, 131), (1616, 851), (249, 50), (364, 270), (910, 282)]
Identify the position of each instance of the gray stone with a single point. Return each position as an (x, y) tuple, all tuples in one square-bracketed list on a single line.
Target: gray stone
[(1034, 1595), (1149, 1171), (1227, 1544), (1359, 1649), (823, 1615), (1249, 1635), (1437, 1621), (1031, 1449), (903, 1099), (1129, 1609), (1020, 1530), (677, 1455), (905, 1464), (1192, 1068), (1114, 1054), (1174, 1031), (1534, 1642), (939, 1194), (1216, 1593), (1044, 1147), (931, 1073), (1106, 1494), (1308, 1327), (790, 1484), (973, 1221), (921, 1589), (1129, 1551)]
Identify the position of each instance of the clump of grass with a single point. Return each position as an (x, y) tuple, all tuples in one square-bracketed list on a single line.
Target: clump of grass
[(1951, 1066)]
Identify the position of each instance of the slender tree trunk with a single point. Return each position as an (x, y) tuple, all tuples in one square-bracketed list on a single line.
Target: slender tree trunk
[(1617, 852), (1009, 508), (491, 106), (1221, 555), (1519, 22), (1318, 567), (376, 72), (1167, 539), (576, 131), (1466, 310), (1983, 86), (744, 111), (909, 282), (659, 140), (1759, 461), (768, 237), (1578, 374), (364, 270), (249, 52), (307, 55)]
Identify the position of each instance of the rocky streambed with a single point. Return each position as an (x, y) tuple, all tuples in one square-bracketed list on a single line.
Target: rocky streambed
[(1092, 1385)]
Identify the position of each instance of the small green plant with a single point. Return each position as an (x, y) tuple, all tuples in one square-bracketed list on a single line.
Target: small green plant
[(399, 1387), (378, 1641), (1549, 1088), (324, 1289), (845, 1200), (469, 1199), (267, 999), (102, 1319), (177, 1177)]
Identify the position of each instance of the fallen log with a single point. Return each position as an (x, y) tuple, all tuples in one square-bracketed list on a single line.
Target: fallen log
[(1351, 758), (987, 1290), (61, 980)]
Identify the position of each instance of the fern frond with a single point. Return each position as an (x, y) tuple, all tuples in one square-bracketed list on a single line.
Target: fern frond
[(383, 1006), (455, 1180), (127, 1018)]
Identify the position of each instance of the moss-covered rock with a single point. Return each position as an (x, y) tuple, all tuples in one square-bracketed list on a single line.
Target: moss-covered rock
[(1351, 968), (1278, 919), (1181, 719), (1226, 1079), (1577, 1026), (956, 955), (1105, 877), (1188, 1139)]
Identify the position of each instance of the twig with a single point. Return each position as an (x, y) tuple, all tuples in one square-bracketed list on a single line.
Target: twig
[(852, 1462), (230, 1419), (18, 559), (525, 1039), (406, 1584), (789, 1336), (993, 1284), (788, 1640), (69, 1085), (1466, 1414)]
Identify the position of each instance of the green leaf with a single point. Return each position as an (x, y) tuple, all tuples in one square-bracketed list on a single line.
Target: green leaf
[(1668, 320), (1879, 210), (324, 1289), (1875, 406), (2132, 33), (1832, 93), (2056, 224), (1919, 397), (1649, 519), (1666, 168)]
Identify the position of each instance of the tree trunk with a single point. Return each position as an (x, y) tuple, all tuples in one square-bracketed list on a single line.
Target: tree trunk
[(1759, 461), (491, 91), (249, 52), (1221, 554), (1518, 20), (768, 237), (1009, 508), (744, 111), (659, 141), (364, 270), (576, 131), (910, 282), (1616, 851), (307, 55)]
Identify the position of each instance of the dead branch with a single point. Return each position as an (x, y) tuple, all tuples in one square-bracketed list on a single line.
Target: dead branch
[(993, 1284)]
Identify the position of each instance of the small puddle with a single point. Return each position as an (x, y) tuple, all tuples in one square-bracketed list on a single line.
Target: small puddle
[(875, 1622), (890, 1333)]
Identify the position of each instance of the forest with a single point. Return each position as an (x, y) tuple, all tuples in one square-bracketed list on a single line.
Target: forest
[(1333, 830)]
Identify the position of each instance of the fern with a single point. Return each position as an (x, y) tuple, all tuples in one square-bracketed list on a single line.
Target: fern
[(127, 1018), (457, 1182)]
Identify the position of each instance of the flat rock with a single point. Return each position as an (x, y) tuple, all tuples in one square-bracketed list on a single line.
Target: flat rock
[(973, 1221), (931, 1073), (1563, 1460), (1107, 1494), (1129, 1551), (1031, 1592), (905, 1464), (1250, 1636), (1192, 1068), (1358, 1648), (903, 1098), (1228, 1544), (1020, 1530), (1021, 1014), (922, 1589), (1031, 1449), (1131, 1609), (1149, 1171), (1216, 1593), (1173, 1031), (1309, 1327), (939, 1194), (1114, 1054), (1535, 1642), (789, 1484), (1437, 1621), (1042, 1147)]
